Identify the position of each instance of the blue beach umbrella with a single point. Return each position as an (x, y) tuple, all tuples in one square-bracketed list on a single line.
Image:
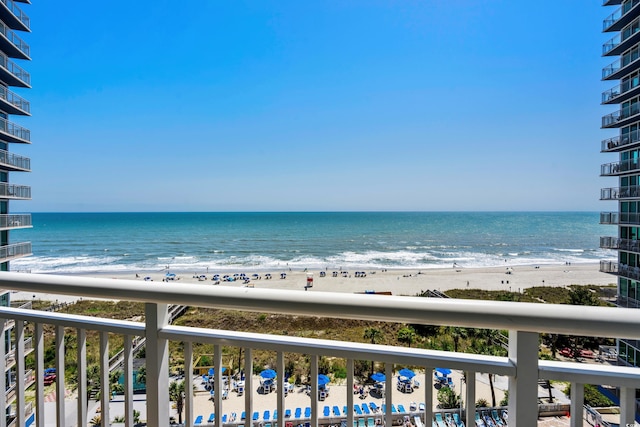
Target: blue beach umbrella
[(404, 372), (443, 371), (268, 374), (212, 372), (378, 377), (323, 380)]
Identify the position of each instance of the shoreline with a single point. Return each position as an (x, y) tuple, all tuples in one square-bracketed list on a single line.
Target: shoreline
[(397, 281)]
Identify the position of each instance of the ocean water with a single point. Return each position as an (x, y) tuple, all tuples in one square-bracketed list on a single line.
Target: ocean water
[(82, 243)]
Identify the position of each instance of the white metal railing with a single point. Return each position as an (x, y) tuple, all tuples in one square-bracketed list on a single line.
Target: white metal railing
[(15, 221), (524, 321)]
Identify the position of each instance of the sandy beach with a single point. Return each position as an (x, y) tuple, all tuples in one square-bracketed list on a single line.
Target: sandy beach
[(398, 282)]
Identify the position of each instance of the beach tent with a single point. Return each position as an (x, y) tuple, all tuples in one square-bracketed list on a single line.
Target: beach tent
[(404, 372), (378, 377), (268, 374)]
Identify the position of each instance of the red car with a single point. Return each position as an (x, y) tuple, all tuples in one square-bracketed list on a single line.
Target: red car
[(49, 379)]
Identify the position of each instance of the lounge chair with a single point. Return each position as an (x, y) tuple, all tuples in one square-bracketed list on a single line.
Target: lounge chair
[(212, 418), (336, 411), (344, 410), (224, 418), (287, 413), (371, 422), (243, 416), (479, 422), (275, 415), (417, 421), (456, 419), (357, 409), (326, 411), (362, 422), (393, 409), (255, 416), (198, 420), (497, 418), (374, 408), (307, 412), (421, 407), (298, 413), (448, 418), (401, 409), (266, 415), (365, 409), (439, 420), (383, 408)]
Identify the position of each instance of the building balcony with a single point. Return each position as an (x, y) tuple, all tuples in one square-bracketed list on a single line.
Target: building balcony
[(609, 218), (621, 142), (621, 17), (11, 44), (626, 64), (617, 243), (620, 168), (15, 221), (12, 103), (628, 192), (11, 132), (11, 74), (523, 321), (15, 251), (620, 218), (624, 40), (619, 269), (622, 92), (611, 2), (11, 191), (14, 163), (13, 16), (622, 117)]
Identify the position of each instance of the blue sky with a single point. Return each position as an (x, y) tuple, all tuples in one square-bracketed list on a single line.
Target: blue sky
[(315, 105)]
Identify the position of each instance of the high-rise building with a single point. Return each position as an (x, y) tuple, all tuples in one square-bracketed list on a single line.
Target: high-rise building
[(624, 73), (14, 23)]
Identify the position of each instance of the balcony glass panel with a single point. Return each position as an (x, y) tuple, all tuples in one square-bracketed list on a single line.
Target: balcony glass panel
[(15, 100), (622, 62), (12, 159), (611, 44), (620, 167), (621, 140), (609, 218), (17, 12), (13, 38), (16, 191), (13, 129), (622, 114), (14, 69), (619, 13)]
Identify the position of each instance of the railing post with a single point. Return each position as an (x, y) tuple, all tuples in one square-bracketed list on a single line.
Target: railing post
[(388, 392), (3, 368), (39, 355), (217, 384), (82, 375), (281, 385), (470, 398), (314, 389), (105, 386), (188, 383), (248, 385), (128, 380), (428, 397), (627, 406), (156, 318), (350, 383), (60, 417), (20, 401), (577, 405), (523, 387)]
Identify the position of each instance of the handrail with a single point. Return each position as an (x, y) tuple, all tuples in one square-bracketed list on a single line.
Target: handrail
[(529, 317), (614, 168), (621, 141), (623, 113), (629, 30)]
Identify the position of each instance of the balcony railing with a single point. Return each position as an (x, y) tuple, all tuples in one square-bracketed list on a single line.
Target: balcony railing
[(629, 192), (618, 66), (614, 119), (610, 46), (15, 221), (621, 142), (629, 245), (20, 76), (21, 105), (618, 168), (15, 191), (610, 20), (611, 95), (14, 162), (13, 132), (18, 13), (524, 321), (609, 218), (15, 250), (15, 40)]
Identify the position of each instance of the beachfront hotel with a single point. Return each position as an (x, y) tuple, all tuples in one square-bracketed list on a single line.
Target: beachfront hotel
[(623, 48), (14, 23)]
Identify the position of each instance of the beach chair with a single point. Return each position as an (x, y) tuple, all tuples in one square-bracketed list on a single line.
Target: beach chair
[(275, 415), (298, 413), (365, 409), (344, 410), (287, 413), (266, 415), (362, 422), (417, 421), (255, 416), (439, 421), (198, 420), (457, 421), (224, 418), (243, 416), (371, 422), (357, 409), (307, 412), (383, 408), (448, 419), (393, 409), (326, 412), (336, 411), (479, 422), (421, 407), (401, 409), (374, 408), (212, 418), (496, 418)]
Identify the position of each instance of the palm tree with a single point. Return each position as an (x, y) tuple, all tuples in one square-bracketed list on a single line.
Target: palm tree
[(374, 335), (407, 334), (176, 394)]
